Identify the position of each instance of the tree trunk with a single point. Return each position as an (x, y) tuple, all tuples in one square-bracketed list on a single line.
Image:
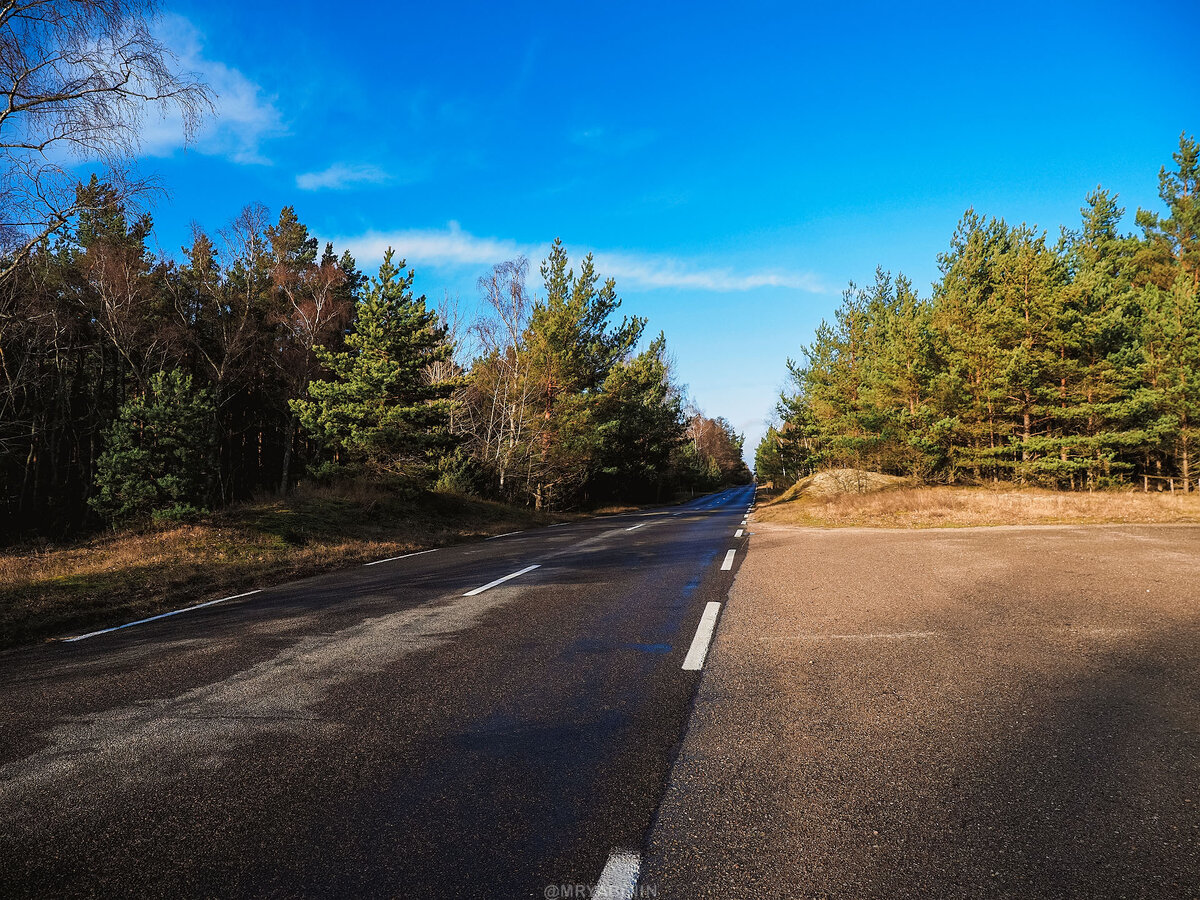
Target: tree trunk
[(1185, 462), (1026, 433), (289, 439)]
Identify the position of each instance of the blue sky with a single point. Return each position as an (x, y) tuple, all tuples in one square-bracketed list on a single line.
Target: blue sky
[(733, 166)]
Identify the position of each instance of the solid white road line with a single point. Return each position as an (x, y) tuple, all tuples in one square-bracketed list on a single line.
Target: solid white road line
[(694, 661), (405, 556), (165, 615), (728, 564), (506, 534), (637, 526), (738, 533), (492, 584)]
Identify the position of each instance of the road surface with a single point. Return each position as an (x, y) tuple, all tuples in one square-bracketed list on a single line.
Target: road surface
[(957, 713), (489, 720)]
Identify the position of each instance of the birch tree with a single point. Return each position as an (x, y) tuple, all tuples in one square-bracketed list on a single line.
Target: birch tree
[(78, 78)]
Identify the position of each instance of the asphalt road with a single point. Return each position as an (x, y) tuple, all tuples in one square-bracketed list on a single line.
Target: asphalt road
[(958, 713), (372, 732)]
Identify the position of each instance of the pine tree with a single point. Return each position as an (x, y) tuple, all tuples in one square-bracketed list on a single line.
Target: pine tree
[(967, 320), (770, 465), (570, 348), (1170, 343), (1029, 338), (640, 423), (895, 371), (1101, 407), (828, 382), (159, 454), (378, 409), (1173, 242)]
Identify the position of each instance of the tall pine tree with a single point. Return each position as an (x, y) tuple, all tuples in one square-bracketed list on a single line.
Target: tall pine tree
[(378, 409)]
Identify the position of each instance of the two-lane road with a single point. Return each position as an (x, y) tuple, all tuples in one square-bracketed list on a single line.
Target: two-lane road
[(488, 720)]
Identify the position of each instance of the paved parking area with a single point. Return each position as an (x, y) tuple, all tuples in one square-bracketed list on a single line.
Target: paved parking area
[(1001, 712)]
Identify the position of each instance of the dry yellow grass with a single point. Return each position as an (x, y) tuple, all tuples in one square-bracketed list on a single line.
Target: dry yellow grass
[(961, 507), (51, 591)]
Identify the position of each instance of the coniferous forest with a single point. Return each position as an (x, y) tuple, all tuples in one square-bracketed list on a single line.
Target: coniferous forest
[(134, 386), (1068, 362)]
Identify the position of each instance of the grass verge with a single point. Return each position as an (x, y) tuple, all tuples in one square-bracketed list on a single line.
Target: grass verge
[(966, 507), (49, 591)]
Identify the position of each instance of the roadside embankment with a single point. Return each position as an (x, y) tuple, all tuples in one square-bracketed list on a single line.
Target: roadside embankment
[(956, 507), (47, 591)]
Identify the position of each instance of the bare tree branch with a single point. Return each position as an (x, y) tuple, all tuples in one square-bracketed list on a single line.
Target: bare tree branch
[(77, 78)]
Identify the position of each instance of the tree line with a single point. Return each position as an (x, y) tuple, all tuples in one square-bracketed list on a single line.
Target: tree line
[(132, 385), (1070, 363)]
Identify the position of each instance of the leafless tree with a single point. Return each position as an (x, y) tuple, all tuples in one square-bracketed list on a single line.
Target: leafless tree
[(454, 367), (76, 79), (314, 310), (497, 416), (123, 313)]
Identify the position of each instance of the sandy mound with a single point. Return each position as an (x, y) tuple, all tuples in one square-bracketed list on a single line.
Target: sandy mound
[(841, 481)]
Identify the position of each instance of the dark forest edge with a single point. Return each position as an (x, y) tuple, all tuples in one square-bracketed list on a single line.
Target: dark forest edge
[(137, 388), (1072, 364)]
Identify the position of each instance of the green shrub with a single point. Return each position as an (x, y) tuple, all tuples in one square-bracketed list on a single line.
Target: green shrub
[(177, 514), (159, 453), (461, 473)]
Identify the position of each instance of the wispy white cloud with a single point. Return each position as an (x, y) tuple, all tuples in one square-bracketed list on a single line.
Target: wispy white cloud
[(245, 115), (450, 246), (656, 271), (453, 247), (342, 175)]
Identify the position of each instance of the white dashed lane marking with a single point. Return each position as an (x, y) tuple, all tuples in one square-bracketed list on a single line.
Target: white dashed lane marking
[(492, 584), (694, 661), (165, 615), (405, 556), (506, 534)]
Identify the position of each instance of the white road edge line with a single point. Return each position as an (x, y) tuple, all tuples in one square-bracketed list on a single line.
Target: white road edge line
[(405, 556), (738, 533), (557, 524), (637, 526), (492, 584), (728, 564), (506, 534), (694, 661), (165, 615), (618, 881)]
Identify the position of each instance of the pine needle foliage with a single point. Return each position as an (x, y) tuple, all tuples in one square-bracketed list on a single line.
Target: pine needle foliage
[(1072, 363)]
